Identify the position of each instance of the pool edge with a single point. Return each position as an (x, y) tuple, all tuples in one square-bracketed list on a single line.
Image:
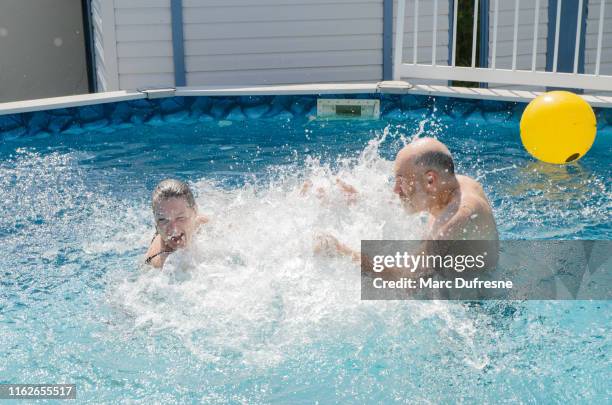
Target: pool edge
[(312, 89), (41, 104)]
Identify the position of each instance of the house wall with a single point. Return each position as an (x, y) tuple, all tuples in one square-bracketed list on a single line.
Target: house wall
[(425, 31), (525, 44), (282, 41), (133, 44), (505, 35), (144, 43), (243, 42), (105, 48), (425, 35), (592, 29), (505, 38)]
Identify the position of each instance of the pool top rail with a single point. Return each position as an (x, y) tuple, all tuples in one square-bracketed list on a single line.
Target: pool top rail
[(308, 89)]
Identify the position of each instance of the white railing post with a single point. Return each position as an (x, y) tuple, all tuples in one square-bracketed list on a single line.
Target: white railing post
[(515, 39), (578, 31), (434, 41), (415, 33), (474, 33), (536, 26), (399, 39), (557, 27), (454, 44), (602, 9), (495, 23)]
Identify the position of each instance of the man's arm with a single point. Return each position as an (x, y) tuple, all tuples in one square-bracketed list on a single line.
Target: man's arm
[(331, 245), (348, 190)]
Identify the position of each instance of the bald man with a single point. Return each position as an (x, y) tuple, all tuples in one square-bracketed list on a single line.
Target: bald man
[(425, 181)]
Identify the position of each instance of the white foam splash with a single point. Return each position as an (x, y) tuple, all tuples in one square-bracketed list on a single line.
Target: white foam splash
[(251, 285)]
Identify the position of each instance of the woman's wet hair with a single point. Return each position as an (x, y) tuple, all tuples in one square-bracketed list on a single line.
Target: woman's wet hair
[(172, 188)]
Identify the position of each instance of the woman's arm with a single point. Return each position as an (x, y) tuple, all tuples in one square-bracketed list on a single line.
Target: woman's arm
[(157, 253)]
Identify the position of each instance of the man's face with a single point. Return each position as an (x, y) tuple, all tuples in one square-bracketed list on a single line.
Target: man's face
[(175, 222), (409, 190)]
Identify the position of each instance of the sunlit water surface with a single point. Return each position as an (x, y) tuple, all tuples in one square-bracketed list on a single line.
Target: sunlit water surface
[(249, 314)]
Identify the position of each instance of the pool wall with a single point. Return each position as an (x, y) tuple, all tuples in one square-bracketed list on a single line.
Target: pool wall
[(114, 111)]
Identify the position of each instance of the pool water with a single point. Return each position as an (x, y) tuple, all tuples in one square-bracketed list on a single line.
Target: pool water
[(250, 314)]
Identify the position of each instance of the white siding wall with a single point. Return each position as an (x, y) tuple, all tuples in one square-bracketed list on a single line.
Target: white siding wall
[(590, 52), (244, 42), (424, 35), (505, 37), (103, 21), (526, 20), (247, 42), (425, 32), (144, 43), (505, 34)]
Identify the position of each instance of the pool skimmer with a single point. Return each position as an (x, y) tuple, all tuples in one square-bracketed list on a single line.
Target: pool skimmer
[(343, 109)]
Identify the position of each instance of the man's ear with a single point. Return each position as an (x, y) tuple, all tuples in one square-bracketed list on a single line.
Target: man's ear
[(431, 179)]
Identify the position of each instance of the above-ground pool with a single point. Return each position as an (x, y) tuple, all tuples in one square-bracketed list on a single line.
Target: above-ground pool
[(250, 314)]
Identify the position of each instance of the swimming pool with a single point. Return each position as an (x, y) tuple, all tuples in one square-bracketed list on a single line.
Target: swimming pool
[(251, 315)]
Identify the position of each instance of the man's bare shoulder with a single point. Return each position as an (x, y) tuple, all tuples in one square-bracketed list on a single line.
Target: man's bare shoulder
[(468, 216), (475, 214), (473, 197), (469, 186)]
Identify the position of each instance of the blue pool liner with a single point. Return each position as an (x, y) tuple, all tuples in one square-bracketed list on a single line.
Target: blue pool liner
[(108, 117)]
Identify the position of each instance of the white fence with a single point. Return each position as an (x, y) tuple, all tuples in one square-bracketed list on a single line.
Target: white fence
[(514, 76)]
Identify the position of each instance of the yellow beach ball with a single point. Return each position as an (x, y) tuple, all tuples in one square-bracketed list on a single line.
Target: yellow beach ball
[(558, 127)]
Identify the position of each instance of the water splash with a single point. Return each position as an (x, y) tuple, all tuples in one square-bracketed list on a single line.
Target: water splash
[(251, 288)]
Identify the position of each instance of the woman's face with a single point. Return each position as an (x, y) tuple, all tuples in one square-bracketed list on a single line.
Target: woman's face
[(175, 222)]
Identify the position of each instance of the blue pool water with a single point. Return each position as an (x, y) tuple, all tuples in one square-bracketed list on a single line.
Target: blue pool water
[(250, 315)]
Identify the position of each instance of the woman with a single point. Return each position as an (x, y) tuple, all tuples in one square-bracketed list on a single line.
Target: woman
[(176, 220)]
